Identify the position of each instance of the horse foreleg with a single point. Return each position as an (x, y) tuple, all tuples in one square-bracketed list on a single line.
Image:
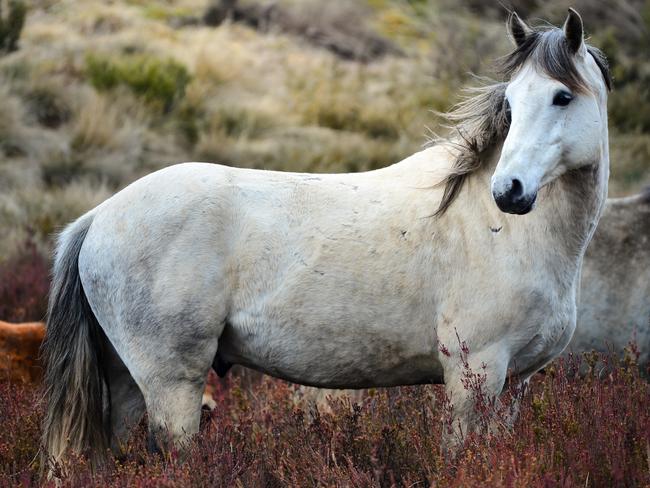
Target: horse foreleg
[(472, 386), (518, 390)]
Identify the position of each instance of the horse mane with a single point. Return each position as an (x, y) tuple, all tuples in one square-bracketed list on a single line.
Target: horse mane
[(480, 121), (645, 195)]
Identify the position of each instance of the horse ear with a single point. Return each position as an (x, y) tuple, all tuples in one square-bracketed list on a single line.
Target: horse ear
[(573, 31), (518, 29)]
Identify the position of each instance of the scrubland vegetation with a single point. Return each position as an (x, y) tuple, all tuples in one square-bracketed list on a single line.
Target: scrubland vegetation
[(95, 94), (592, 431)]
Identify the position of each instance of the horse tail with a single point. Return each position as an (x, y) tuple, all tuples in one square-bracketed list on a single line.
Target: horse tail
[(76, 390)]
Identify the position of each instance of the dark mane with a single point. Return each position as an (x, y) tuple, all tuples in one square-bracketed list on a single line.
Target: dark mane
[(480, 121), (645, 195), (549, 51)]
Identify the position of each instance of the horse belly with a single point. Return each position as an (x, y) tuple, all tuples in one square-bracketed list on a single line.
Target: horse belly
[(333, 357)]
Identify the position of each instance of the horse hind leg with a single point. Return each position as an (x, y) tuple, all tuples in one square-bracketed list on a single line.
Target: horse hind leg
[(171, 395), (127, 402), (171, 375), (174, 410)]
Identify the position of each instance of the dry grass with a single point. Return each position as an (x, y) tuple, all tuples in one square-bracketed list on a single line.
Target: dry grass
[(262, 99)]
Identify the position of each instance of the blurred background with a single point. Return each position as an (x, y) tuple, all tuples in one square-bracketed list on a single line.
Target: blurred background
[(94, 94)]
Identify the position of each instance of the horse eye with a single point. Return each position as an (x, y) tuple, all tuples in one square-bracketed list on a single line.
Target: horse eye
[(562, 98)]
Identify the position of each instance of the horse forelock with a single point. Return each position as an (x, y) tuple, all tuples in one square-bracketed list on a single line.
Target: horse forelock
[(549, 51), (480, 121)]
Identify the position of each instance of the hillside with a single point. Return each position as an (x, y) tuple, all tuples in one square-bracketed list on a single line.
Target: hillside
[(98, 96)]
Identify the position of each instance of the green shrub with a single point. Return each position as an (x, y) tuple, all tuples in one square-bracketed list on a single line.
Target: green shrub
[(235, 121), (160, 82), (165, 13), (630, 162), (188, 118), (12, 25), (629, 107)]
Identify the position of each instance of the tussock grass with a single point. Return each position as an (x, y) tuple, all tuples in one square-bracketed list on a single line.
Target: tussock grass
[(104, 94), (13, 140), (97, 96)]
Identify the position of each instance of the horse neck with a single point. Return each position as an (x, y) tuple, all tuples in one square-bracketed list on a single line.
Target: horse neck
[(584, 193), (556, 233), (575, 205)]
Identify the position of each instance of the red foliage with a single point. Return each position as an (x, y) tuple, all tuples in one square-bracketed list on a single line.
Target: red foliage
[(572, 431), (24, 284)]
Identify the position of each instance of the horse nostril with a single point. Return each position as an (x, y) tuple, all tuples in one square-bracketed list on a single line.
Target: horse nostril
[(517, 189), (511, 196)]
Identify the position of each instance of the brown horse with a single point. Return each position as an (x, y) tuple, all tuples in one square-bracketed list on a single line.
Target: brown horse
[(19, 346)]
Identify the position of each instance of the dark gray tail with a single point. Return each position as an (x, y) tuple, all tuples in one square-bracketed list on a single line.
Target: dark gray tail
[(75, 382)]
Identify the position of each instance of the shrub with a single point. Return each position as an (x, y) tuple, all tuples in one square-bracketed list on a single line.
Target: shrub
[(20, 416), (630, 162), (12, 25), (189, 121), (629, 107), (338, 98), (61, 169), (13, 139), (166, 13), (238, 121), (24, 284), (310, 149), (572, 431), (105, 140), (158, 81)]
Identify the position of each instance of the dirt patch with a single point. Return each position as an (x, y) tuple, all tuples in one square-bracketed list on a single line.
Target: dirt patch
[(341, 29)]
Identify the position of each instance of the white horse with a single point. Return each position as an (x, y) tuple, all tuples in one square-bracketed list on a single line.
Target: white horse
[(614, 305), (339, 280)]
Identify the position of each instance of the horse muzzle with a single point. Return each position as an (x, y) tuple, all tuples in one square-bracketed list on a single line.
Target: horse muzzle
[(511, 197)]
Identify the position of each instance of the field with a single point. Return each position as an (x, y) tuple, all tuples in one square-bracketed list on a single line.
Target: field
[(100, 93)]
